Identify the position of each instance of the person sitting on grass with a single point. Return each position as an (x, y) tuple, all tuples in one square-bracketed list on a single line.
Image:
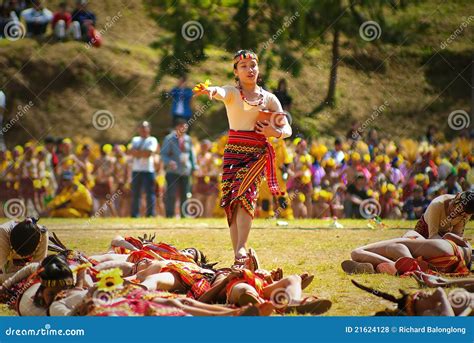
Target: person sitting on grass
[(356, 193), (450, 255), (37, 19), (84, 18), (61, 22), (74, 200), (416, 205), (21, 243), (446, 213)]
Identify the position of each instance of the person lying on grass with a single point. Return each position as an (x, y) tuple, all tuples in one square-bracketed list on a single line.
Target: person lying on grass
[(423, 303), (132, 300), (242, 287), (54, 290), (451, 255)]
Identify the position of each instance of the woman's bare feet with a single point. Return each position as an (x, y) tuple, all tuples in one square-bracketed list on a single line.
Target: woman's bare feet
[(306, 280), (353, 267)]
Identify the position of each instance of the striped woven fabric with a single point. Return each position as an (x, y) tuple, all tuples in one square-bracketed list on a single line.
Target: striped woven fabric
[(132, 302), (168, 252), (450, 264), (247, 156), (251, 278), (422, 227), (133, 241), (193, 276), (164, 250)]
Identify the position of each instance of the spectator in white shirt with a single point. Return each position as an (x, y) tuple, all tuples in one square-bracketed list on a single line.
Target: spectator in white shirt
[(143, 148), (37, 18)]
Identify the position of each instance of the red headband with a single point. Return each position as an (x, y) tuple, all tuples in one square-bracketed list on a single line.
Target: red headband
[(244, 56)]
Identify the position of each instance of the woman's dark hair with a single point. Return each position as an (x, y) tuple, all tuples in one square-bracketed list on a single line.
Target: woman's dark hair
[(25, 236), (54, 267), (201, 259), (281, 82), (242, 52), (469, 202)]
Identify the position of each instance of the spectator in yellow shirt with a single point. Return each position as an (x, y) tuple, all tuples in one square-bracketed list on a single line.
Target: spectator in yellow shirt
[(73, 201)]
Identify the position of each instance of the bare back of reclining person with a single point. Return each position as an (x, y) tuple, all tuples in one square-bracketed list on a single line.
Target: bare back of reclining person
[(383, 255)]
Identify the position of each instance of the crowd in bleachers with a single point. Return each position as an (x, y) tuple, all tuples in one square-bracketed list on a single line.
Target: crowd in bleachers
[(323, 178)]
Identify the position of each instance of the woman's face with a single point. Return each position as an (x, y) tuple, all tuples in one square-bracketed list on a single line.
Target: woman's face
[(247, 71), (190, 252), (143, 264)]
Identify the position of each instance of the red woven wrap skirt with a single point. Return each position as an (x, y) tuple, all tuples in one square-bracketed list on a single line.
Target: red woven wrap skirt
[(248, 156)]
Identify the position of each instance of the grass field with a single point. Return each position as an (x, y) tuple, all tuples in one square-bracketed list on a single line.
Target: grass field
[(303, 245)]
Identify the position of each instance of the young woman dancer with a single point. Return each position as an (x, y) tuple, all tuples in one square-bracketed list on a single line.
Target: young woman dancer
[(248, 154)]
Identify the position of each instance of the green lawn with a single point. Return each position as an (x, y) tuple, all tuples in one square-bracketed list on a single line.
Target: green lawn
[(303, 245)]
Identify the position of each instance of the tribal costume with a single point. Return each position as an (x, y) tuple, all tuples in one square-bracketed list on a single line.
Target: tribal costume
[(247, 155), (422, 227), (196, 279), (253, 279), (284, 209), (131, 301), (450, 264), (73, 201), (164, 250), (437, 220)]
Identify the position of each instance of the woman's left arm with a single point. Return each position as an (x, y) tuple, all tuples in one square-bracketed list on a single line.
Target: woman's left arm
[(275, 106)]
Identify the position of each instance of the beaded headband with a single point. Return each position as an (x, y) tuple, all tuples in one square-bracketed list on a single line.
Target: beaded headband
[(58, 283), (245, 55)]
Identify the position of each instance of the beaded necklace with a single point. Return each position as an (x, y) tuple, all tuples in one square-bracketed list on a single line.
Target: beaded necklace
[(257, 102)]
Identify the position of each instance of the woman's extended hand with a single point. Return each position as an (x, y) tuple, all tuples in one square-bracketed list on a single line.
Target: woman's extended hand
[(204, 91)]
